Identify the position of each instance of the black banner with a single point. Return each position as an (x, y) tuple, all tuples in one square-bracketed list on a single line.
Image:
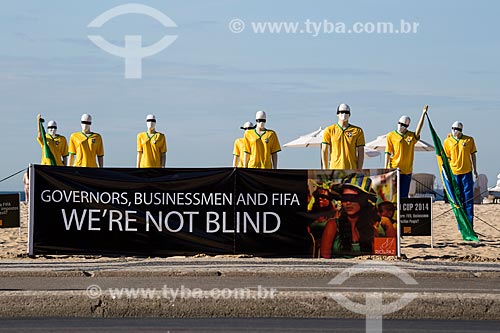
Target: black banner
[(278, 199), (9, 211), (166, 212), (416, 216)]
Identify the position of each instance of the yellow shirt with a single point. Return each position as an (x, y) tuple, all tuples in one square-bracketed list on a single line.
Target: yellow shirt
[(239, 150), (260, 148), (151, 147), (57, 145), (401, 148), (86, 148), (343, 144), (459, 153)]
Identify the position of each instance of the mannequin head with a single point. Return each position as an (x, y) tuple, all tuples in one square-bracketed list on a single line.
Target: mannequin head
[(403, 124), (86, 121), (151, 122), (248, 125), (343, 113), (52, 128), (260, 118), (456, 129)]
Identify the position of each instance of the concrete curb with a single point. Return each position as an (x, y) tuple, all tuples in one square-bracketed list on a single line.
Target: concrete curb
[(234, 269), (233, 273), (38, 300), (447, 306)]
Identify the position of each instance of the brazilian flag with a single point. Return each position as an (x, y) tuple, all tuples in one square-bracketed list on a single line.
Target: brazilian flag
[(46, 148), (452, 190)]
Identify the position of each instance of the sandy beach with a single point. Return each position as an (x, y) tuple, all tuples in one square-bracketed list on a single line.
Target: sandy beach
[(448, 243)]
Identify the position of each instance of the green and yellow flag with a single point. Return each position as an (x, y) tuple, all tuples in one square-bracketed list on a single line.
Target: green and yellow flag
[(452, 190), (46, 148)]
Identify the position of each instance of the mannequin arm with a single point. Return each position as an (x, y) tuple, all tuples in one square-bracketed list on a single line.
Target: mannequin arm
[(473, 157), (274, 158), (38, 117), (361, 156), (245, 159), (100, 161), (163, 159), (421, 122), (324, 156), (138, 163)]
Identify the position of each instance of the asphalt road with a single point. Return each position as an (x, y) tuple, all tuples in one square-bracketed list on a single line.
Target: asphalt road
[(238, 325)]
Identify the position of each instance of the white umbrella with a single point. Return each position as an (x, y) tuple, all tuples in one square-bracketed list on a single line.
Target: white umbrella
[(315, 138), (380, 142), (312, 139)]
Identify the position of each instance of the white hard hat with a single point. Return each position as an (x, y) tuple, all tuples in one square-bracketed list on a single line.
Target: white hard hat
[(150, 117), (260, 115), (247, 125), (86, 117), (405, 120), (457, 124), (51, 123), (343, 107)]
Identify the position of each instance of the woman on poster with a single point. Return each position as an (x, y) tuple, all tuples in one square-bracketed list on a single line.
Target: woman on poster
[(353, 232)]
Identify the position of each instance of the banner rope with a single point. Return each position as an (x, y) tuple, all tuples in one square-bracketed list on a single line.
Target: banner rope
[(15, 174), (442, 196)]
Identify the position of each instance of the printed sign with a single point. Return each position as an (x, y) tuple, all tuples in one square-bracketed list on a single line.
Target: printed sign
[(385, 246), (9, 211), (416, 217), (166, 212)]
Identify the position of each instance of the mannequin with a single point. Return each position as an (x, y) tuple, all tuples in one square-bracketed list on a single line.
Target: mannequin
[(261, 145), (26, 185), (85, 146), (343, 143), (151, 146), (400, 149), (461, 151), (56, 143), (239, 147)]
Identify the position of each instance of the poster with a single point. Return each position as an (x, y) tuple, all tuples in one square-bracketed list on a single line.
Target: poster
[(9, 211), (167, 212), (343, 207), (416, 217)]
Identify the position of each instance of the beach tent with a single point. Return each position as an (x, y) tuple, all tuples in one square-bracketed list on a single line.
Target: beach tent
[(315, 138), (422, 185), (480, 188)]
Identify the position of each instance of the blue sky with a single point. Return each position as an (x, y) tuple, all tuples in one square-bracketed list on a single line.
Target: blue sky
[(210, 80)]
